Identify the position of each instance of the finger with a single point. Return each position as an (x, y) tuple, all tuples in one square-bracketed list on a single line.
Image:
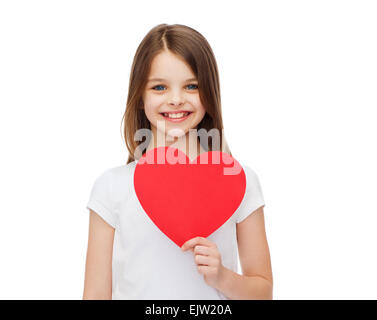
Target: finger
[(203, 250), (197, 241), (192, 243), (204, 260), (204, 269)]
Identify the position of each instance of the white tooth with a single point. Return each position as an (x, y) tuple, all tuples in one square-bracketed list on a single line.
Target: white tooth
[(177, 115)]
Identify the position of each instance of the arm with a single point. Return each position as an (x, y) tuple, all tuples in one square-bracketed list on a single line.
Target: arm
[(98, 270), (256, 283)]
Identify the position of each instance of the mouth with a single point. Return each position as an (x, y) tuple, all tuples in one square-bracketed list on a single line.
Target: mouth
[(176, 116)]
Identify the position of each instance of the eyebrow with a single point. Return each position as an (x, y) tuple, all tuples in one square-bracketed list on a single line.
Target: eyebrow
[(161, 79)]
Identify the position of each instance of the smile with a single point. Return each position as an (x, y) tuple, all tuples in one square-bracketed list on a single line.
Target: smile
[(176, 116)]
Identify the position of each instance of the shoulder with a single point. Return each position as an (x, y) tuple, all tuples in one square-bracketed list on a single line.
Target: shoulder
[(251, 175), (253, 197), (115, 180), (118, 172)]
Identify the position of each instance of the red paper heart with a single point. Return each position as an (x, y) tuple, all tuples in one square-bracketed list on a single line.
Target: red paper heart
[(188, 199)]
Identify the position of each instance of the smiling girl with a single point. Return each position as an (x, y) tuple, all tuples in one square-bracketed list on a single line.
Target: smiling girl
[(173, 89)]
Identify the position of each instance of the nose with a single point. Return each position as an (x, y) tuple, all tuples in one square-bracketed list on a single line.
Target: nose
[(176, 104), (176, 99)]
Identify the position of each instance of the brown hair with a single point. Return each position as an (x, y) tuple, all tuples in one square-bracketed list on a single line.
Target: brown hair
[(196, 51)]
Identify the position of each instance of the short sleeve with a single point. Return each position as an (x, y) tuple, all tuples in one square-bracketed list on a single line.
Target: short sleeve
[(253, 198), (100, 199)]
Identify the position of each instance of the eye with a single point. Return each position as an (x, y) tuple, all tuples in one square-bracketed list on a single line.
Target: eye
[(157, 87), (162, 86), (193, 85)]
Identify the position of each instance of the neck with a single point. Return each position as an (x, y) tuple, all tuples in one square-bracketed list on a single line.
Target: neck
[(188, 143)]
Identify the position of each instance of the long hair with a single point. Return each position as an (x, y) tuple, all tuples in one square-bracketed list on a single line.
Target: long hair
[(196, 51)]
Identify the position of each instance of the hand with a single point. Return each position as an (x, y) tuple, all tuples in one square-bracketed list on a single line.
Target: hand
[(208, 259)]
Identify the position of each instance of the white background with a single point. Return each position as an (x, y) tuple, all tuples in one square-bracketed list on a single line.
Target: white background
[(298, 80)]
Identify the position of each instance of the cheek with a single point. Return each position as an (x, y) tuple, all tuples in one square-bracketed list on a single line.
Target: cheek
[(148, 113), (151, 104), (200, 110), (197, 104)]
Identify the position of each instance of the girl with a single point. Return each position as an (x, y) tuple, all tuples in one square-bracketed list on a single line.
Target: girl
[(173, 88)]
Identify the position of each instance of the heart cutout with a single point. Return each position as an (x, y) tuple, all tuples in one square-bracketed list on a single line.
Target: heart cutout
[(187, 199)]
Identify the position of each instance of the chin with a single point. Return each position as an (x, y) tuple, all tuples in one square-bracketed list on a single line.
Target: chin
[(176, 132)]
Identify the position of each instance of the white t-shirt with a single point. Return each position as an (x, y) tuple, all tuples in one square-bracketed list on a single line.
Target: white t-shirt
[(146, 263)]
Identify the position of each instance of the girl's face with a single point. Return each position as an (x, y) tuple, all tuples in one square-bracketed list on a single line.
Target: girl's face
[(175, 92)]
